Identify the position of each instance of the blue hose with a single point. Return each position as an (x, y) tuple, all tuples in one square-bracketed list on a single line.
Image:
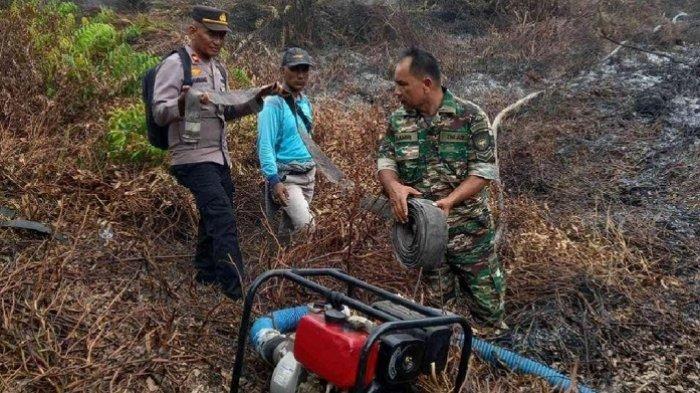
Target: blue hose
[(284, 321), (503, 357)]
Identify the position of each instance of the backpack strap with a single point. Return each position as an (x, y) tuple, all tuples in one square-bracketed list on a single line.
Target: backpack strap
[(223, 72), (186, 66)]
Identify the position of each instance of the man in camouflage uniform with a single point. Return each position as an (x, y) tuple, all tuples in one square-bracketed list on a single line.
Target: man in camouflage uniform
[(441, 148)]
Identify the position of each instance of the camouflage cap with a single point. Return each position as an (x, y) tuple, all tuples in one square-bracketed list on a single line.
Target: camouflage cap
[(212, 18), (296, 56)]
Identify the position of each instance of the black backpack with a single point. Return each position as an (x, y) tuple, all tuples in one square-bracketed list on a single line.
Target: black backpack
[(158, 135)]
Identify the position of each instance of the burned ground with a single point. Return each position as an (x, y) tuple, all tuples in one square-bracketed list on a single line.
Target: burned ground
[(601, 204)]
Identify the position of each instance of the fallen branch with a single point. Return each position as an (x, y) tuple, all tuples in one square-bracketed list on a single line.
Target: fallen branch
[(144, 258), (614, 52), (637, 48)]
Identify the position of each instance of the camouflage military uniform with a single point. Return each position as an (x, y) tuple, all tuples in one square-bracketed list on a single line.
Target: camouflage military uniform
[(434, 156)]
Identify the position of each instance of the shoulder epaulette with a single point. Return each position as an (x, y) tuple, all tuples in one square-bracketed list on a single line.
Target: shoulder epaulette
[(472, 110)]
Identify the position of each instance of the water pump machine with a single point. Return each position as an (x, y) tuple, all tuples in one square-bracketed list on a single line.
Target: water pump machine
[(346, 344)]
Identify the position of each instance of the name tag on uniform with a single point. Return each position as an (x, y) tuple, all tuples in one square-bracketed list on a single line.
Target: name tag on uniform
[(447, 136), (201, 79), (403, 137)]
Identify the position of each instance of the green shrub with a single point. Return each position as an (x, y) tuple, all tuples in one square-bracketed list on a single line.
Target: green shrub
[(54, 42), (126, 66), (87, 62), (80, 72), (105, 15), (131, 33), (127, 136), (95, 39), (67, 8), (240, 79), (48, 24), (146, 24)]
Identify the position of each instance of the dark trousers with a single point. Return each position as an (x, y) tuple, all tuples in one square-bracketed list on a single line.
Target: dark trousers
[(218, 254)]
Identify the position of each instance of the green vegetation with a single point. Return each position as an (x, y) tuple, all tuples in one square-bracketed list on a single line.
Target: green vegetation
[(131, 33), (239, 78), (105, 15), (93, 57), (126, 138), (94, 39), (125, 67), (67, 8)]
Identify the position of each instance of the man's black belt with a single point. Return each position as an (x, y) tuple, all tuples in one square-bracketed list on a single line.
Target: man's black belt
[(298, 172)]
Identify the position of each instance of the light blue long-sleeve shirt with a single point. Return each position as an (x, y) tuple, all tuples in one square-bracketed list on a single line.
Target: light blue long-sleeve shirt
[(278, 139)]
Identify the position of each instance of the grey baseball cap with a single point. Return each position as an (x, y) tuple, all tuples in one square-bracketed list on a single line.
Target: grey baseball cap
[(296, 56)]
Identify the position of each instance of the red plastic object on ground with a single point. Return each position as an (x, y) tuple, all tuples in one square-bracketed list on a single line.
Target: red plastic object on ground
[(332, 350)]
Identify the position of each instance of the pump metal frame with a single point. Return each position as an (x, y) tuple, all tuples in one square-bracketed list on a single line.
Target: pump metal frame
[(432, 318)]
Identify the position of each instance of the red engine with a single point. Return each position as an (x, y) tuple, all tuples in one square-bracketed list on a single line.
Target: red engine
[(328, 347)]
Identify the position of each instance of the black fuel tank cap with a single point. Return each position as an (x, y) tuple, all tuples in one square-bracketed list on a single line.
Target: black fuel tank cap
[(335, 316)]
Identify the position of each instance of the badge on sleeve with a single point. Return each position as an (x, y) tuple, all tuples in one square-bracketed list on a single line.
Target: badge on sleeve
[(482, 140)]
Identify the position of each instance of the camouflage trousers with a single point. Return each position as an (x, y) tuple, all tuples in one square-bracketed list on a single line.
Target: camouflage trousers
[(472, 274)]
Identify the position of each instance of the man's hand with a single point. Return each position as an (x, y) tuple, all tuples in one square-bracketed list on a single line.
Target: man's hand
[(272, 88), (446, 205), (398, 194), (467, 189), (204, 98), (182, 99), (280, 194)]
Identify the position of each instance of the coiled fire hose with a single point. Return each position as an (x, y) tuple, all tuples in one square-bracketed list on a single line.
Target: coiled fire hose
[(421, 242)]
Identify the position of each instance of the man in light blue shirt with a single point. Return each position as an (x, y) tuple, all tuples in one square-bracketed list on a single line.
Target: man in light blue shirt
[(286, 164)]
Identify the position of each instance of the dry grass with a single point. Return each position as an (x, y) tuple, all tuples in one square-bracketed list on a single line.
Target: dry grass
[(605, 301)]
